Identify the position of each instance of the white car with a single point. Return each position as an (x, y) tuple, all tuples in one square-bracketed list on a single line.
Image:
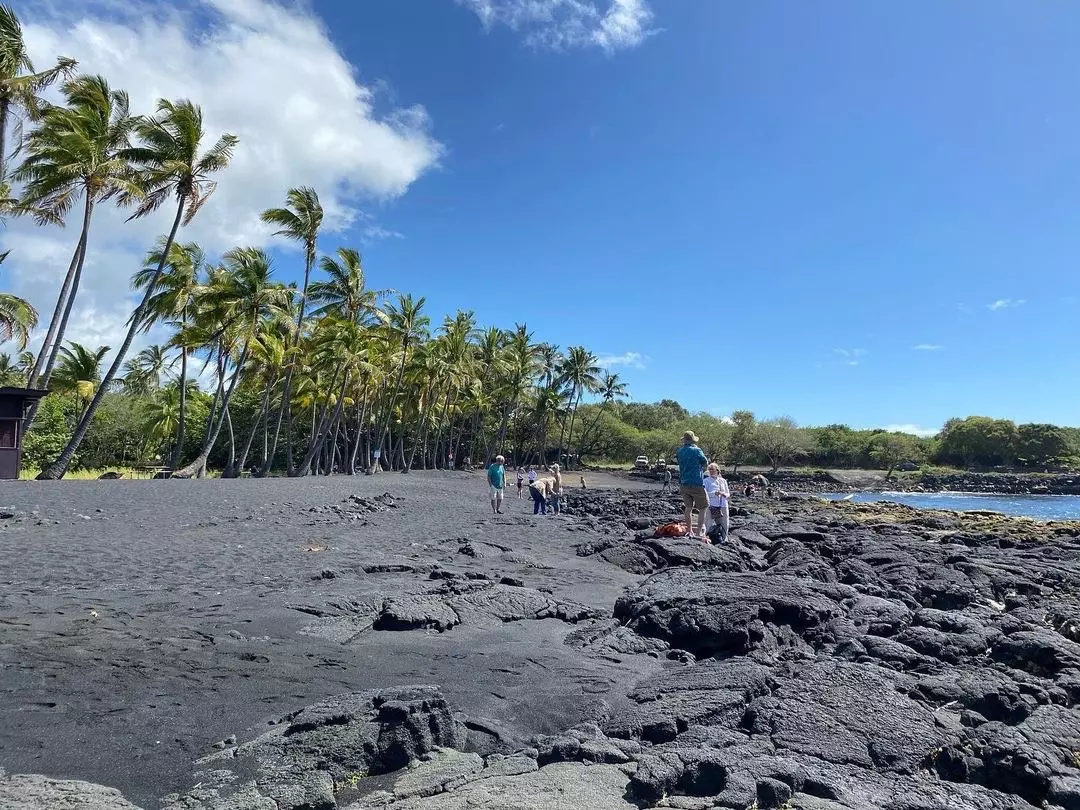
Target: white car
[(641, 463)]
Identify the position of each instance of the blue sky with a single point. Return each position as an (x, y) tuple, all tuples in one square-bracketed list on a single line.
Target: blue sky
[(839, 211)]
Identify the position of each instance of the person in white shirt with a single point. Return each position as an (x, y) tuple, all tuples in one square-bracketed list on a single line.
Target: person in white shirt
[(716, 488)]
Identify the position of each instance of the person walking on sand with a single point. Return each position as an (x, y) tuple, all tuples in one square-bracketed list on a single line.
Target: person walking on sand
[(496, 475), (667, 481), (716, 488), (692, 463), (541, 491), (521, 483)]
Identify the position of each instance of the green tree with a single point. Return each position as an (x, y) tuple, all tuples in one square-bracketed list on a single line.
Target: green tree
[(780, 441), (978, 441), (170, 167), (20, 85), (1040, 445), (890, 449), (580, 371), (743, 436), (79, 149), (79, 373), (174, 302), (300, 220), (17, 319)]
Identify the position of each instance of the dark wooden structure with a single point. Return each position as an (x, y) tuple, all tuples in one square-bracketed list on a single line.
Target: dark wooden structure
[(13, 402)]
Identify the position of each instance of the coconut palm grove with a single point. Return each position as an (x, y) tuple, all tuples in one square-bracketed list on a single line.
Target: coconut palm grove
[(251, 375)]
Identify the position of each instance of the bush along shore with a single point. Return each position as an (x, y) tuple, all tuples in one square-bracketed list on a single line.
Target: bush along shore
[(830, 656)]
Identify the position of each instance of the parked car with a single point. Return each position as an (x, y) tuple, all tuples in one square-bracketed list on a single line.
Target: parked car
[(641, 463)]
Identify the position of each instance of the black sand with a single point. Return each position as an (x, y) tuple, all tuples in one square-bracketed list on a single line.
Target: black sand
[(309, 639), (206, 598)]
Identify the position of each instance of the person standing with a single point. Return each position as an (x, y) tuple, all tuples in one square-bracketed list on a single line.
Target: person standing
[(521, 483), (692, 463), (716, 488), (667, 481), (496, 475), (556, 489)]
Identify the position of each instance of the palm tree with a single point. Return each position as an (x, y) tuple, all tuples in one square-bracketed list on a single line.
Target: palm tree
[(611, 388), (170, 166), (344, 293), (17, 319), (9, 371), (580, 371), (143, 372), (173, 302), (300, 220), (79, 149), (20, 85), (240, 302), (79, 372), (406, 325)]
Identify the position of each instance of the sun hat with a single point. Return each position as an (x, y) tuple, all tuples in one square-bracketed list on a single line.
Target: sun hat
[(690, 436)]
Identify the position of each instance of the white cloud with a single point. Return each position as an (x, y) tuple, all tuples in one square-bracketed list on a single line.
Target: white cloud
[(267, 73), (1005, 303), (915, 430), (851, 357), (561, 24), (927, 347), (627, 359)]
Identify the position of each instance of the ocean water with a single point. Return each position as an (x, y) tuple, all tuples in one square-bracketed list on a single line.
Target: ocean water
[(1040, 507)]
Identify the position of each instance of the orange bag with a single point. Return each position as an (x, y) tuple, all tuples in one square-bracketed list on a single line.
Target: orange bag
[(677, 529)]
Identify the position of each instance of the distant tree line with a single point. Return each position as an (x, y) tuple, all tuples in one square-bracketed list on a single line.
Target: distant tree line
[(480, 404)]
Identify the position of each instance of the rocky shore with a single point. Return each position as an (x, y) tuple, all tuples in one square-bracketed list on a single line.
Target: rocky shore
[(255, 646), (995, 483)]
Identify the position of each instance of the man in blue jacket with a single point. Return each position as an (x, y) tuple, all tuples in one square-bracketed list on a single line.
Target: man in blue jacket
[(692, 464)]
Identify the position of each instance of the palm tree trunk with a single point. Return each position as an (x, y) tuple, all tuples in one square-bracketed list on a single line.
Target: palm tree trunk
[(55, 335), (318, 436), (361, 421), (5, 109), (570, 433), (309, 260), (57, 469), (230, 465), (442, 425), (397, 389), (259, 421), (197, 467), (181, 429)]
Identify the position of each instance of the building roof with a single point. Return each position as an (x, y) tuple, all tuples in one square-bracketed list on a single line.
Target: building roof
[(24, 393)]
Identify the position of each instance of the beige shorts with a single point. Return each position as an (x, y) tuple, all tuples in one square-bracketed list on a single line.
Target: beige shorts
[(496, 492), (694, 497)]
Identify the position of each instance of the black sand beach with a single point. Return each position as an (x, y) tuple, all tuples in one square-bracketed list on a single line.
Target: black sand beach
[(831, 656)]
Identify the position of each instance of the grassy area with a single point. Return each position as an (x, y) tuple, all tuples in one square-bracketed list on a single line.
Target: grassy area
[(85, 475)]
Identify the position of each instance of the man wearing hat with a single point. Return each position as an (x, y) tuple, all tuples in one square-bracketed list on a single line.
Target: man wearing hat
[(692, 464)]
